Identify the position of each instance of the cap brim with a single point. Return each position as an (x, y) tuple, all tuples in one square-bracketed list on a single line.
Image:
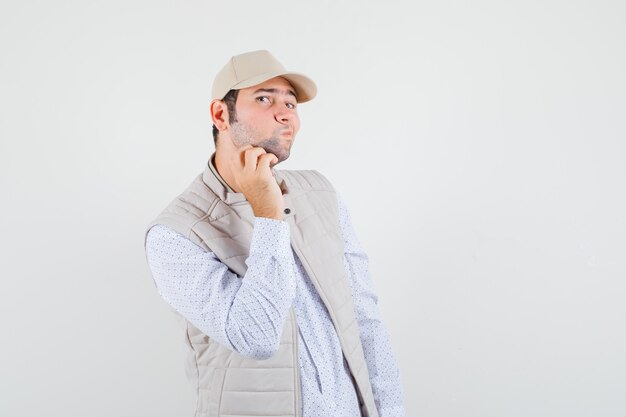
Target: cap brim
[(305, 87)]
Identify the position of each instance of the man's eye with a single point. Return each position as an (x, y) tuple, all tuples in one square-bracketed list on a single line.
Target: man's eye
[(291, 106), (264, 99)]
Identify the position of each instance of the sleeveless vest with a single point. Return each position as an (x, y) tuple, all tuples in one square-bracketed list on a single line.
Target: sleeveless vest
[(226, 382)]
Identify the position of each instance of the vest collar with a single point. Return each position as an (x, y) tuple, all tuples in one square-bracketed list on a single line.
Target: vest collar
[(217, 174)]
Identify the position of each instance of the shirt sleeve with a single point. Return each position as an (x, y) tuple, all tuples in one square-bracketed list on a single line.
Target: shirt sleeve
[(381, 364), (246, 314)]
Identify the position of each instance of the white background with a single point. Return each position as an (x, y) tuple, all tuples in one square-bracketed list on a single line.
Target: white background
[(479, 147)]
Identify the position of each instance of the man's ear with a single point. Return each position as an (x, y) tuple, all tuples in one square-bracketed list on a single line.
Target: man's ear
[(219, 114)]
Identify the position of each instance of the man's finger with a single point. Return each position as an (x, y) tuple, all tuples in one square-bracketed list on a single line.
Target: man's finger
[(265, 160), (251, 157)]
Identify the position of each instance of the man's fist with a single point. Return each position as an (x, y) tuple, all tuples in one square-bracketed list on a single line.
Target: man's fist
[(253, 176)]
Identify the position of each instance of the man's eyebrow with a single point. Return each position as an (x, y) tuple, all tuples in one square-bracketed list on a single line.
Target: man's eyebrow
[(275, 90)]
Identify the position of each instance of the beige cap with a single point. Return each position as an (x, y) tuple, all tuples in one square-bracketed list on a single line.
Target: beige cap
[(252, 68)]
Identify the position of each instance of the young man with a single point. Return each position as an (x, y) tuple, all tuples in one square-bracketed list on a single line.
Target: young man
[(264, 270)]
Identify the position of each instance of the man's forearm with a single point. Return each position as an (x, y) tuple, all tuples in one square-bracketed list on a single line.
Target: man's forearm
[(257, 316)]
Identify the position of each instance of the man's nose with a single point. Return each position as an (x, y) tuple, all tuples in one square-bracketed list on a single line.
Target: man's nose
[(283, 116)]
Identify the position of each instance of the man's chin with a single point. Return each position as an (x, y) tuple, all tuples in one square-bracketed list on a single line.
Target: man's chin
[(281, 154)]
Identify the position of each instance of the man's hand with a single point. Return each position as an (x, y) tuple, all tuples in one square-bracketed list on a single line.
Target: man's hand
[(253, 176)]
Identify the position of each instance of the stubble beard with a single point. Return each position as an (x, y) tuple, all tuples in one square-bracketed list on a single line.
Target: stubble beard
[(243, 134)]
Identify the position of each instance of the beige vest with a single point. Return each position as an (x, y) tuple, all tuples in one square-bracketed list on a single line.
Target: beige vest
[(220, 221)]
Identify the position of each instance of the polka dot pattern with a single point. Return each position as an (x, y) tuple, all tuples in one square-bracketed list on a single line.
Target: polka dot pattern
[(247, 315), (381, 363)]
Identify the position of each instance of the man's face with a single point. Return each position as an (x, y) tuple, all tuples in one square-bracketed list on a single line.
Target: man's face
[(267, 116)]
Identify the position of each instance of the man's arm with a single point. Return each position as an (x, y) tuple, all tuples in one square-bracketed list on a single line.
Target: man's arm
[(246, 314), (381, 364)]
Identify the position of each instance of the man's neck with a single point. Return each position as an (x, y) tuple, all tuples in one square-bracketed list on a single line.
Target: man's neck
[(223, 167)]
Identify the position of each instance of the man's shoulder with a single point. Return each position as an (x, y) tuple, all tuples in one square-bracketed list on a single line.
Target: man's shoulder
[(306, 179), (187, 208), (195, 200)]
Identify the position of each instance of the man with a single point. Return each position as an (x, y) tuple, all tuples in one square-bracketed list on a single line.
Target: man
[(264, 270)]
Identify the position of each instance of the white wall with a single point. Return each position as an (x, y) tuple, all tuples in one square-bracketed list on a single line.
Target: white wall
[(494, 131)]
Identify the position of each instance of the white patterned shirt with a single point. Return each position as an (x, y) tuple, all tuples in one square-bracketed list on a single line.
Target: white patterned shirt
[(247, 315)]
